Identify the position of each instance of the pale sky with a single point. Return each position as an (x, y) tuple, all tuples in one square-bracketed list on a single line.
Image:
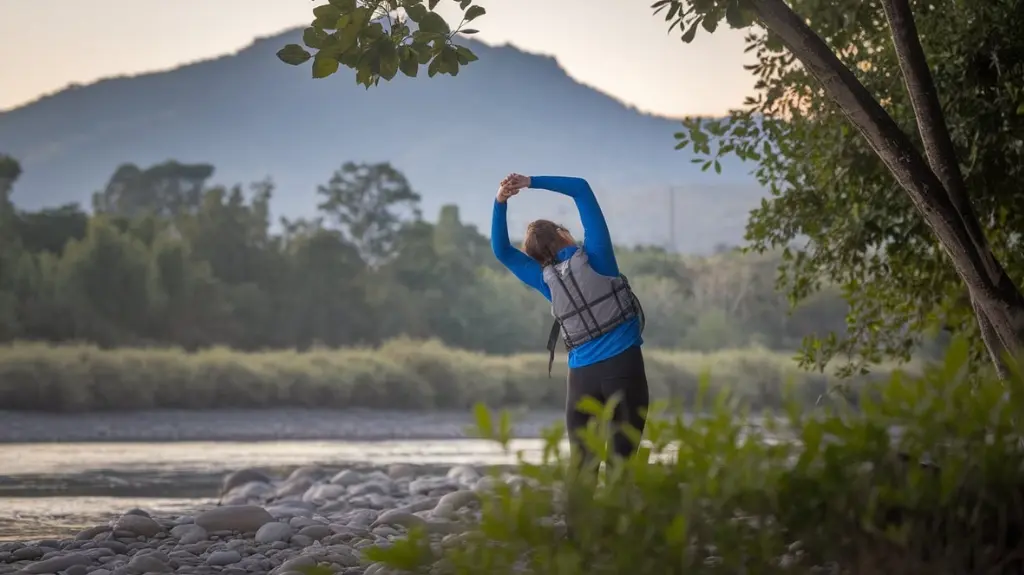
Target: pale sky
[(616, 46)]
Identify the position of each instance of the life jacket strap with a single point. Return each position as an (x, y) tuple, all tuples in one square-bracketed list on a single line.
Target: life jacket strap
[(552, 343)]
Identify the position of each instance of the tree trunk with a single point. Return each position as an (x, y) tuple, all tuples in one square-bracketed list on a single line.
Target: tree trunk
[(990, 287), (941, 154), (995, 346)]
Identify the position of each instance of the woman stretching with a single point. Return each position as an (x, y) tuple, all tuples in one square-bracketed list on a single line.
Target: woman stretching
[(595, 311)]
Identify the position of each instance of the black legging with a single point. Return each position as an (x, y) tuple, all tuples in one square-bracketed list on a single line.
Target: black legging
[(623, 375)]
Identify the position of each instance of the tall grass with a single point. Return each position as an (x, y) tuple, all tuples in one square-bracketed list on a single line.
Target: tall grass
[(402, 374)]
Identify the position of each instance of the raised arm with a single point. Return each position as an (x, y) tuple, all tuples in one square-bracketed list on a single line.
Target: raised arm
[(521, 265), (597, 239)]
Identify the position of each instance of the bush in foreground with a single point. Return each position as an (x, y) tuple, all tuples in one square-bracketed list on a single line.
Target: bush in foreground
[(401, 374), (942, 496)]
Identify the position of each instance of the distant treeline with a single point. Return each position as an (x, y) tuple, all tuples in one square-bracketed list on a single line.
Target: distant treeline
[(165, 259)]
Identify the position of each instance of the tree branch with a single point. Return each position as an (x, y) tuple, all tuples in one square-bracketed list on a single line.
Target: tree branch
[(938, 147), (993, 343), (931, 122), (1000, 299)]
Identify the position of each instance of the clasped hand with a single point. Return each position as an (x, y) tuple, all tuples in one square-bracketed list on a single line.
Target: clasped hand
[(511, 185)]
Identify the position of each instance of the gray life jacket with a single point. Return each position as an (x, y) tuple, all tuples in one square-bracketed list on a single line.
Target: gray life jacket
[(586, 304)]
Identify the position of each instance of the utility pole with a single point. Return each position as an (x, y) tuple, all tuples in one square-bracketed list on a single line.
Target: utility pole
[(672, 219)]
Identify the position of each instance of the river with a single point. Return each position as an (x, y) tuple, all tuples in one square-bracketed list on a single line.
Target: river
[(60, 473), (56, 489)]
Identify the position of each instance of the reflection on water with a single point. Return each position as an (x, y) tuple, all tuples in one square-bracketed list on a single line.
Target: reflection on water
[(56, 489), (220, 456), (57, 516)]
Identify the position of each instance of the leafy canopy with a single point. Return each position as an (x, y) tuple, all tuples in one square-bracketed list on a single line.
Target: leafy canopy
[(832, 193), (378, 39)]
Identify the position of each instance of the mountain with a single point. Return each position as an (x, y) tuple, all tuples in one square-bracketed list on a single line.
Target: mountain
[(252, 116)]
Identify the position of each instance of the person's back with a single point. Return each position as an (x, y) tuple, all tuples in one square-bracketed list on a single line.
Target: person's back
[(597, 314)]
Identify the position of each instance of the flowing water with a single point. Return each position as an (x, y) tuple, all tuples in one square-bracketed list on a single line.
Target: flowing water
[(52, 489), (60, 472)]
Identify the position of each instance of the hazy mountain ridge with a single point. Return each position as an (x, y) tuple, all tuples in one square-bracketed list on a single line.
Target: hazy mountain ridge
[(252, 116)]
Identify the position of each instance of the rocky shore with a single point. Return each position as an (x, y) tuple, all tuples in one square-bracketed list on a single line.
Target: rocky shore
[(312, 517)]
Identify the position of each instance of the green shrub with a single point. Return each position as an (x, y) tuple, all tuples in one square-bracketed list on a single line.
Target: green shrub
[(400, 374), (717, 497)]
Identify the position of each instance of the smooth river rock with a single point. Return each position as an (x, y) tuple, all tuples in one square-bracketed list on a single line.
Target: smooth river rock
[(239, 518)]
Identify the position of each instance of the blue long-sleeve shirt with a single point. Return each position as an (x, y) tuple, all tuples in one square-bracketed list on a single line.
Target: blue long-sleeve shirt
[(600, 253)]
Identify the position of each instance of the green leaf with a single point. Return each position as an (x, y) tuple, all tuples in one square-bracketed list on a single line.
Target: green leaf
[(433, 22), (389, 60), (484, 425), (344, 5), (718, 167), (474, 12), (464, 55), (374, 31), (423, 54), (314, 38), (590, 406), (447, 60), (325, 24), (468, 31), (408, 63), (349, 35), (676, 533), (364, 75), (432, 4), (691, 32), (710, 22), (504, 428), (324, 66), (327, 12), (956, 359), (416, 12), (407, 554), (464, 3), (1020, 109), (293, 54), (739, 16), (673, 11), (350, 59), (361, 16), (409, 67)]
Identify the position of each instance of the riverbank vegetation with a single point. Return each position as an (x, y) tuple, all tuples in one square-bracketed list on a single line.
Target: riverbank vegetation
[(714, 495), (400, 374)]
